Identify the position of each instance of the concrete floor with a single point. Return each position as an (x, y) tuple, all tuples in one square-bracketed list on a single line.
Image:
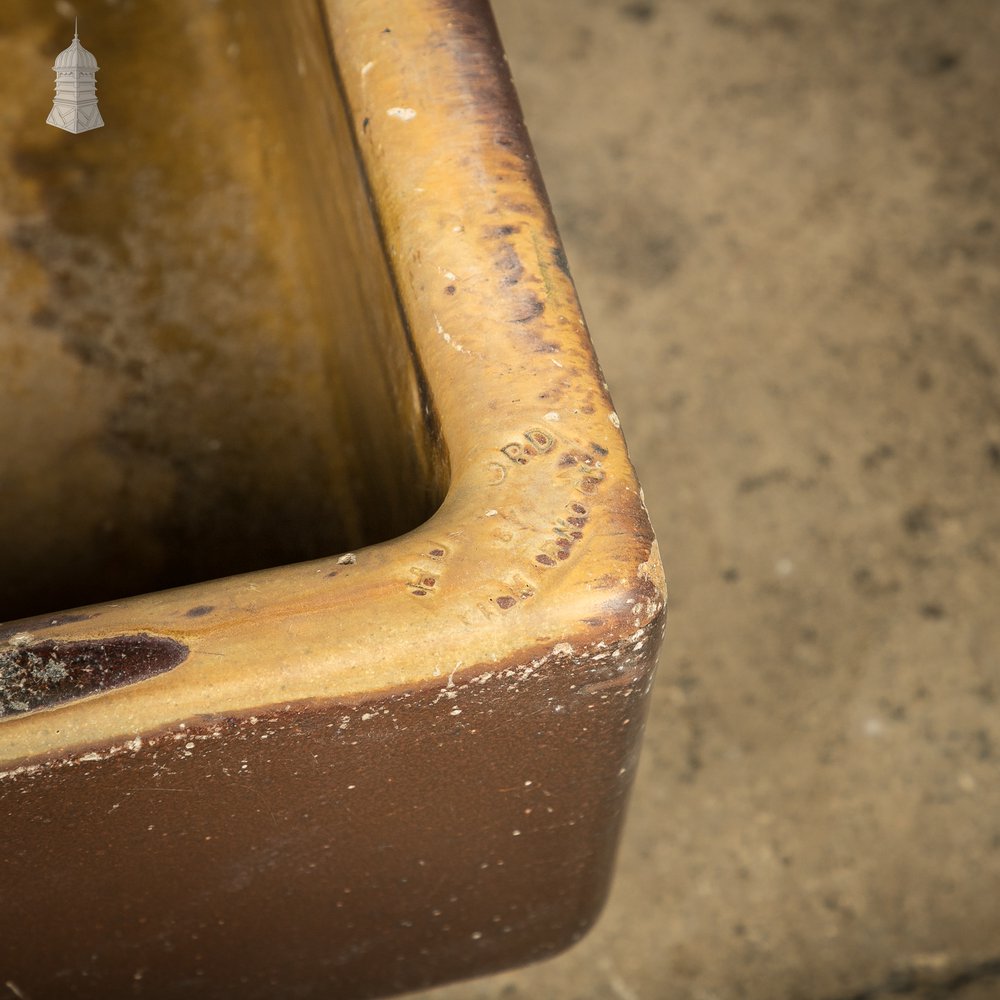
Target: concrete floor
[(782, 217)]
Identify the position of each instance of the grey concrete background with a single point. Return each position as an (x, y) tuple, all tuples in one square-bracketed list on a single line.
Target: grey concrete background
[(782, 217)]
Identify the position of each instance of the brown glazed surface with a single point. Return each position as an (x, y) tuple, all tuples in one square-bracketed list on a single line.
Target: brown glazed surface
[(408, 763), (345, 850)]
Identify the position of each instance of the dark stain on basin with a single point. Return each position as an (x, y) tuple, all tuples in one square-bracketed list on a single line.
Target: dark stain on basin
[(474, 41), (559, 259), (531, 307), (42, 621), (45, 673)]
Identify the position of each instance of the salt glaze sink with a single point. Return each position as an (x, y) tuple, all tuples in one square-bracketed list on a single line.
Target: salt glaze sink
[(300, 415)]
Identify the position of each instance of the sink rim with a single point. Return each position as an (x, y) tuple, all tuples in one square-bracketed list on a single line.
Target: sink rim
[(489, 303)]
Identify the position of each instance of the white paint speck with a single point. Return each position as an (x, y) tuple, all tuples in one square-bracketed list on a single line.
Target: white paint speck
[(447, 337), (874, 726), (455, 711), (490, 513), (476, 935), (403, 114), (450, 275), (552, 416), (347, 559), (613, 417), (366, 69)]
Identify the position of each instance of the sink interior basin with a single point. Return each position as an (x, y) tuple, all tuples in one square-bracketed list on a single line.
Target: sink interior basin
[(205, 370)]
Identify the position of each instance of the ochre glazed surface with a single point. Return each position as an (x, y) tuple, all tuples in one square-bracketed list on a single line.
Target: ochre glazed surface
[(205, 369), (441, 727)]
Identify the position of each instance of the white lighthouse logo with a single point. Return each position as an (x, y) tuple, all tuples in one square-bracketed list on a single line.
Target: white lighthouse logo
[(75, 107)]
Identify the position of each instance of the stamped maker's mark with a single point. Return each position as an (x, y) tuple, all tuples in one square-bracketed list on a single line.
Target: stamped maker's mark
[(425, 574), (536, 441)]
